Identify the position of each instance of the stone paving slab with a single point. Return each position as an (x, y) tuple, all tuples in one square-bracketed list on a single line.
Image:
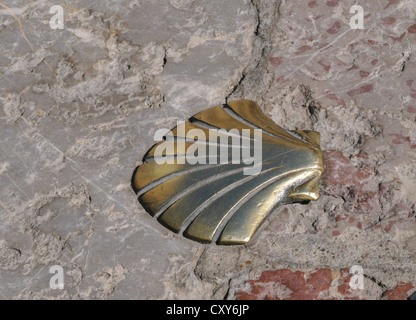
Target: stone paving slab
[(79, 107)]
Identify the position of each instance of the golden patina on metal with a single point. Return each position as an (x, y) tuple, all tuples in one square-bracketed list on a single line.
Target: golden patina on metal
[(218, 202)]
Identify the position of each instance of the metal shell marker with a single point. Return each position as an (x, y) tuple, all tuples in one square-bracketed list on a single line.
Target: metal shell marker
[(217, 176)]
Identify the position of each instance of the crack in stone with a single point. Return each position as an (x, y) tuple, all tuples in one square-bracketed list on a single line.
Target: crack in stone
[(259, 33), (378, 283)]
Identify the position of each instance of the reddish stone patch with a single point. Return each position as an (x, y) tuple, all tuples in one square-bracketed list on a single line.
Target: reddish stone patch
[(332, 3), (364, 200), (391, 2), (400, 292), (399, 38), (327, 67), (335, 28), (412, 29), (309, 39), (387, 21), (343, 178), (288, 285), (332, 96), (363, 155), (363, 89), (400, 139), (276, 61), (374, 62), (340, 218), (312, 4), (285, 284), (354, 44), (369, 42), (344, 286), (339, 170), (353, 221), (391, 223), (364, 74), (324, 45), (303, 49), (317, 17), (281, 79), (411, 109), (353, 67)]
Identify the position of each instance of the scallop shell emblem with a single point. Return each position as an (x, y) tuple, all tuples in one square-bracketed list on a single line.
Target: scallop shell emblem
[(218, 176)]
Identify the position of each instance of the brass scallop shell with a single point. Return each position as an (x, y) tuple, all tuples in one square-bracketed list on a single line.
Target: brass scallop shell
[(219, 202)]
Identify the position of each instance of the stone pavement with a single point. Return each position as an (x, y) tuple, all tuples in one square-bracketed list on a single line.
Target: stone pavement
[(79, 107)]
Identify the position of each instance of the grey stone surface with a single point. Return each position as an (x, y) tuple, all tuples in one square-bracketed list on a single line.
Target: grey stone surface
[(79, 108)]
